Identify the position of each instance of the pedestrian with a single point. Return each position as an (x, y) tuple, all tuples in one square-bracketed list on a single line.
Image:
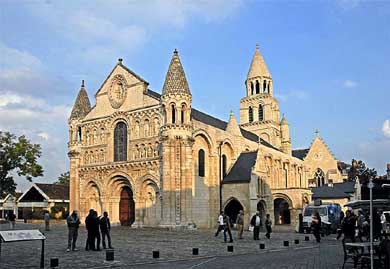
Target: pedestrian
[(348, 226), (90, 244), (96, 230), (240, 223), (268, 226), (73, 222), (360, 221), (105, 228), (383, 222), (377, 227), (316, 226), (256, 223), (221, 224), (46, 217), (227, 228), (12, 220)]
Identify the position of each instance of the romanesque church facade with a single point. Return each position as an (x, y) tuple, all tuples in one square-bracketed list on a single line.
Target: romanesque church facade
[(151, 159)]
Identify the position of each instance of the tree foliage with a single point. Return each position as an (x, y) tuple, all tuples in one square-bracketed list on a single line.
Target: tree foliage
[(359, 170), (63, 178), (17, 156)]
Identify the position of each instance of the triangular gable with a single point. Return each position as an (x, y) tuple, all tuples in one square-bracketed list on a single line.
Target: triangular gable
[(319, 145), (32, 190)]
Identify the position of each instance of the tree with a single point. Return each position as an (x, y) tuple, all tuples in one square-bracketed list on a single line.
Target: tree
[(63, 179), (359, 169), (17, 155)]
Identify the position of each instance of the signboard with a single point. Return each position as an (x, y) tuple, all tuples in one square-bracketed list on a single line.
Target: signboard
[(21, 235)]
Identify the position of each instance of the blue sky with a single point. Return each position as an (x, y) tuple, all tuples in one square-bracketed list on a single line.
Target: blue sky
[(330, 63)]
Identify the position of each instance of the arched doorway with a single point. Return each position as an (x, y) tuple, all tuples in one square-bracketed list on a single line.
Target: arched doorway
[(232, 208), (126, 207), (282, 211), (261, 207)]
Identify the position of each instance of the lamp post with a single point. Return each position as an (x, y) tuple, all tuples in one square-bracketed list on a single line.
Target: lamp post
[(370, 186)]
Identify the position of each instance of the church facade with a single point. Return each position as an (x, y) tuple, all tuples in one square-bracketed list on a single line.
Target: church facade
[(151, 159)]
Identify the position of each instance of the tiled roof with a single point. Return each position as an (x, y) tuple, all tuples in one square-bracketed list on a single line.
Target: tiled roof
[(242, 169), (55, 191), (300, 153), (339, 190), (175, 80), (347, 187), (82, 106)]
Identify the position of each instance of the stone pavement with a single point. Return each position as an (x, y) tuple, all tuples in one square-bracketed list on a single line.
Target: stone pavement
[(133, 248)]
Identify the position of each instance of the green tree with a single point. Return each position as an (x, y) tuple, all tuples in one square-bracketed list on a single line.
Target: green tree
[(63, 178), (359, 169), (17, 155)]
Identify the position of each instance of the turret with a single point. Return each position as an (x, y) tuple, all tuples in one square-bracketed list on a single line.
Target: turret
[(232, 126), (285, 136)]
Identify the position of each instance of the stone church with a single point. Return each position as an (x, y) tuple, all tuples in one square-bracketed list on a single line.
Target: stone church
[(151, 159)]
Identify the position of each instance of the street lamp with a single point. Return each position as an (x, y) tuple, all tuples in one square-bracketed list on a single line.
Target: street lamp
[(371, 186)]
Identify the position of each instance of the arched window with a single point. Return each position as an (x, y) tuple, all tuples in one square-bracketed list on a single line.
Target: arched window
[(264, 85), (261, 113), (251, 88), (257, 87), (268, 86), (201, 163), (79, 134), (120, 142), (250, 114), (224, 165), (183, 112), (319, 177), (146, 128), (173, 114)]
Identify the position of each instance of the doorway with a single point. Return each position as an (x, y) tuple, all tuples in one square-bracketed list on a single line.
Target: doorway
[(282, 211), (232, 209), (126, 207)]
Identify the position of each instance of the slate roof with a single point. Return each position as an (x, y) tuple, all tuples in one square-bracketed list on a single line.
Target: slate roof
[(175, 80), (300, 153), (55, 191), (242, 169), (82, 106), (339, 190)]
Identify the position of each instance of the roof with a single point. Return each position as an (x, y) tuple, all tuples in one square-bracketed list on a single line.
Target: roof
[(242, 169), (347, 187), (175, 80), (55, 191), (300, 153), (342, 165), (82, 106), (258, 68), (339, 190)]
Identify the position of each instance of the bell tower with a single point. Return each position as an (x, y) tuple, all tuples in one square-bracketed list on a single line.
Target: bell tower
[(176, 163), (259, 110)]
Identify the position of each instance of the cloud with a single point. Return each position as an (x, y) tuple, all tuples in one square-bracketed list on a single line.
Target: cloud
[(348, 4), (295, 94), (349, 84), (386, 128)]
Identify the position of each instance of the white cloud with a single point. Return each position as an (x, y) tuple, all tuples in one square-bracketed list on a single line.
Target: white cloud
[(349, 84), (44, 135), (348, 4), (386, 128), (295, 94)]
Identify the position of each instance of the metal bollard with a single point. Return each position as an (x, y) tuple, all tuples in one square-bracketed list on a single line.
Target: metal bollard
[(306, 238), (109, 255), (230, 248), (54, 262), (262, 246), (156, 254), (296, 241), (285, 243), (195, 251)]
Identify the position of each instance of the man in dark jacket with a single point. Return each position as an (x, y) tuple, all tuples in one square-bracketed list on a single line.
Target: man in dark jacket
[(73, 222), (105, 228), (96, 230), (348, 226), (256, 223), (90, 244)]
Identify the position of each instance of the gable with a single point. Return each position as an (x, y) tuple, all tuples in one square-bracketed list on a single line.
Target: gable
[(32, 195), (111, 98), (319, 152)]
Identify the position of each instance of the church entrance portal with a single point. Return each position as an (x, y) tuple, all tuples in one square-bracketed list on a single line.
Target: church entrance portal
[(281, 211), (126, 207), (232, 209)]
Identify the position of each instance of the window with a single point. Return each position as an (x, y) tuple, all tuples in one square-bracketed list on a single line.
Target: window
[(268, 86), (146, 128), (201, 163), (251, 88), (183, 111), (250, 114), (319, 177), (79, 134), (264, 85), (224, 165), (257, 87), (286, 177), (173, 114), (120, 142), (261, 113)]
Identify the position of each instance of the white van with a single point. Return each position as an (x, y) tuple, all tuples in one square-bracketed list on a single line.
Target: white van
[(330, 216)]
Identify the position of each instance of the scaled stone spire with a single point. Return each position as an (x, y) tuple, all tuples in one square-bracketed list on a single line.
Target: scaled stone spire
[(82, 106), (258, 68), (175, 80), (232, 126), (283, 121)]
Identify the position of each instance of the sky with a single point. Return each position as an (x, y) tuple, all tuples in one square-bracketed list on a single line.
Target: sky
[(330, 63)]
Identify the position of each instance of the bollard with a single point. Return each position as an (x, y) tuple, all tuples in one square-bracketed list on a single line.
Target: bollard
[(262, 246), (306, 238), (195, 251), (296, 241), (230, 248), (156, 254), (285, 243), (322, 235), (53, 262), (109, 255)]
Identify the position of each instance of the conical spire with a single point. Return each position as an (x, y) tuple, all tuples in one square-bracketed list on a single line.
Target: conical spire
[(82, 106), (232, 126), (175, 80), (283, 121), (258, 68)]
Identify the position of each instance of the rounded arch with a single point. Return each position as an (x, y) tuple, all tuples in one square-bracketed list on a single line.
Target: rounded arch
[(118, 117), (202, 133), (93, 194), (282, 207), (119, 180), (232, 207)]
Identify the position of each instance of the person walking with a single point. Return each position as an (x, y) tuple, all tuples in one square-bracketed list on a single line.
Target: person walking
[(105, 228), (227, 229), (12, 220), (268, 226), (46, 218), (316, 226), (221, 225), (256, 223), (240, 223), (90, 244), (73, 222), (348, 226)]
